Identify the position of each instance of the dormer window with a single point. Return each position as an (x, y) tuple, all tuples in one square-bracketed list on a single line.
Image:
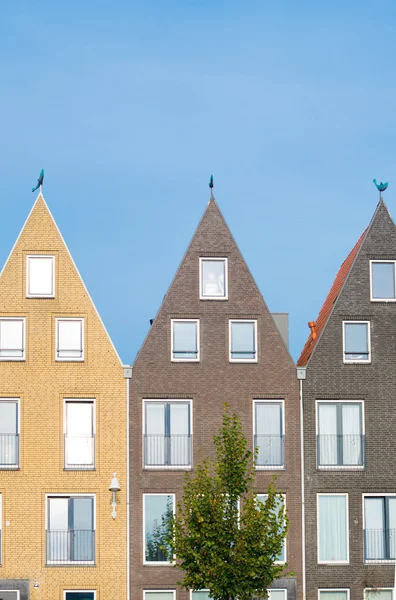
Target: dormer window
[(383, 281), (40, 276), (213, 279), (69, 340)]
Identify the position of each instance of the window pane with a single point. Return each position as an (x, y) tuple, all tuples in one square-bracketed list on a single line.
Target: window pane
[(70, 339), (379, 595), (155, 440), (243, 345), (269, 438), (327, 430), (213, 278), (277, 594), (11, 338), (332, 521), (9, 595), (158, 595), (9, 439), (158, 509), (80, 596), (8, 417), (79, 434), (200, 595), (351, 423), (179, 433), (375, 539), (280, 501), (40, 276), (383, 280), (185, 343), (356, 341), (333, 595)]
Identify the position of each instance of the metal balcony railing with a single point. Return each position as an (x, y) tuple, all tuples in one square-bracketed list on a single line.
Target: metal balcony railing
[(271, 450), (167, 450), (79, 452), (71, 546), (379, 544), (340, 450), (9, 450)]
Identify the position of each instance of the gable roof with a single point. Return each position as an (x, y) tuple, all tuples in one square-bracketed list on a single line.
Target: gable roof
[(325, 311)]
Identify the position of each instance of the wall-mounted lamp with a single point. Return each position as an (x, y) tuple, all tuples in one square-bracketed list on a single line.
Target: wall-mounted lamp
[(114, 488)]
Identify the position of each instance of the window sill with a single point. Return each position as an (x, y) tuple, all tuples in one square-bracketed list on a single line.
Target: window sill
[(334, 563), (166, 468), (357, 362), (90, 468), (270, 468), (71, 563), (380, 561), (159, 564), (12, 359), (340, 467), (9, 467)]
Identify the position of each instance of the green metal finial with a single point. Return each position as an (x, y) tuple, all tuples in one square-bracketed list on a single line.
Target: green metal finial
[(381, 187), (39, 181), (211, 185)]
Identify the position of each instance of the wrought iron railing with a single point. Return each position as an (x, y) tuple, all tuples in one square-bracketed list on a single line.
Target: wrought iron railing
[(271, 450), (79, 452), (379, 544), (340, 450), (9, 450), (167, 450), (71, 546)]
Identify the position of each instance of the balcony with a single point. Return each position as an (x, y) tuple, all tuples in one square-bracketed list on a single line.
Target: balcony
[(167, 450), (334, 451), (9, 451), (379, 545), (270, 451), (79, 452), (74, 546)]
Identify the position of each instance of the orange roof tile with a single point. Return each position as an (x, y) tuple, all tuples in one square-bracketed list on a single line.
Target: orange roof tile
[(328, 303)]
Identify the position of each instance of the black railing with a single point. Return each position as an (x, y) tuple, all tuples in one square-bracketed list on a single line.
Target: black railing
[(72, 546), (379, 544), (9, 450), (167, 450), (271, 450), (340, 450), (79, 452)]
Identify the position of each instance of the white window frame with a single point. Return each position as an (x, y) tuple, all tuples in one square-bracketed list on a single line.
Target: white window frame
[(280, 562), (166, 467), (71, 562), (371, 280), (16, 358), (18, 403), (163, 590), (269, 590), (375, 561), (28, 257), (202, 590), (332, 562), (347, 590), (158, 563), (79, 592), (213, 259), (242, 360), (380, 589), (339, 467), (357, 362), (81, 401), (17, 592), (271, 401), (74, 358), (197, 359)]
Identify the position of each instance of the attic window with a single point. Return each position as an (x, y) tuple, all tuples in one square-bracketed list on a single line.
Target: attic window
[(213, 278), (356, 341), (382, 279), (40, 276), (70, 339)]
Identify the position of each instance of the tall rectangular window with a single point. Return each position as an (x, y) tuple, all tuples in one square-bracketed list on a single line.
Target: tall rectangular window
[(356, 341), (243, 340), (340, 439), (79, 432), (379, 528), (281, 502), (185, 340), (383, 280), (333, 594), (269, 435), (167, 433), (70, 529), (69, 339), (213, 278), (12, 338), (157, 510), (9, 433), (40, 276), (333, 529)]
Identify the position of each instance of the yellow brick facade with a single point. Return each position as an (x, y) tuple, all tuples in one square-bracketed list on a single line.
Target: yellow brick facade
[(41, 383)]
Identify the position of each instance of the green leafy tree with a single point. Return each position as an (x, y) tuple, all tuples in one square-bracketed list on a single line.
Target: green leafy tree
[(224, 539)]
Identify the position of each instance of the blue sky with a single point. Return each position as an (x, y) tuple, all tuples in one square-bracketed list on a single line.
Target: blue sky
[(130, 106)]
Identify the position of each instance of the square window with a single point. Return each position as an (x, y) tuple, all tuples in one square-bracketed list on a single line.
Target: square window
[(79, 432), (333, 594), (281, 501), (158, 509), (70, 535), (69, 339), (40, 276), (383, 280), (185, 340), (356, 341), (9, 433), (340, 439), (243, 341), (268, 433), (213, 278), (12, 338), (333, 530)]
